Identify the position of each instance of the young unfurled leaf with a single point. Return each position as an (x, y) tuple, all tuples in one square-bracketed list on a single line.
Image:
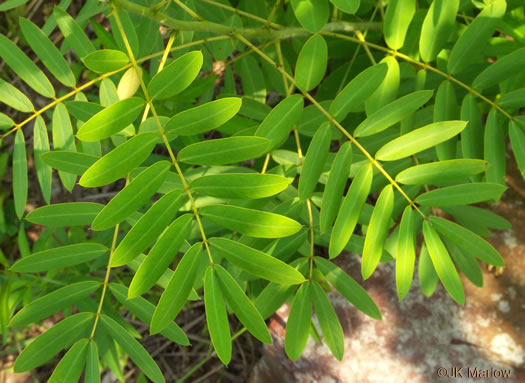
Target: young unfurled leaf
[(134, 349), (335, 186), (437, 26), (398, 16), (242, 185), (311, 63), (65, 214), (160, 256), (462, 194), (438, 173), (217, 317), (298, 325), (129, 83), (311, 14), (243, 308), (314, 161), (204, 117), (224, 151), (392, 113), (20, 174), (478, 31), (64, 139), (144, 311), (176, 77), (277, 125), (73, 34), (348, 288), (386, 92), (250, 222), (419, 140), (256, 262), (350, 210), (47, 52), (132, 197), (445, 268), (468, 241), (148, 228), (92, 374), (71, 365), (69, 162), (25, 68), (105, 60), (120, 161), (59, 257), (495, 148), (53, 302), (111, 120), (14, 98), (347, 6), (377, 231), (40, 147), (427, 275), (51, 342), (406, 252)]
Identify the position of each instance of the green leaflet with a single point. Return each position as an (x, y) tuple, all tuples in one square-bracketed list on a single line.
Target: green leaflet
[(514, 99), (217, 317), (444, 266), (105, 60), (64, 139), (148, 228), (134, 349), (468, 241), (392, 113), (41, 146), (517, 139), (419, 140), (51, 342), (224, 151), (120, 161), (335, 186), (92, 374), (128, 29), (462, 194), (330, 325), (240, 185), (353, 95), (311, 63), (272, 297), (406, 252), (398, 16), (437, 27), (428, 278), (478, 31), (70, 162), (144, 311), (47, 52), (14, 98), (53, 302), (442, 172), (350, 210), (204, 117), (475, 215), (505, 67), (495, 148), (250, 222), (467, 264), (472, 135), (111, 120), (83, 110), (298, 325), (386, 92), (252, 79), (10, 4), (314, 161), (176, 293), (132, 197), (243, 307), (347, 6), (71, 365), (160, 256), (445, 109), (73, 34), (348, 288), (377, 231), (256, 262), (176, 77), (59, 257), (277, 125), (25, 68), (65, 214), (20, 174), (311, 14)]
